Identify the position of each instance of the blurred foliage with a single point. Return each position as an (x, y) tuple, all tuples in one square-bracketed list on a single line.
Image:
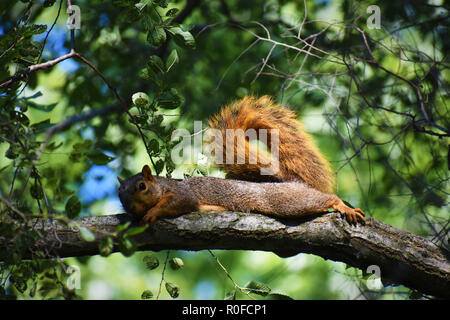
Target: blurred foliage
[(376, 101)]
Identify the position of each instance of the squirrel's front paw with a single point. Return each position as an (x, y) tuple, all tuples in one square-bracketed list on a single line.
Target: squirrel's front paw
[(149, 218), (352, 215)]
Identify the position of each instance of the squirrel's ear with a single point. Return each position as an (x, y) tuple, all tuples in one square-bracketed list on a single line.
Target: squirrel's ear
[(147, 173), (120, 179)]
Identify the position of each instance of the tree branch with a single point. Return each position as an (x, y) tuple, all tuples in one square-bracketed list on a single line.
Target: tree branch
[(403, 258), (35, 67)]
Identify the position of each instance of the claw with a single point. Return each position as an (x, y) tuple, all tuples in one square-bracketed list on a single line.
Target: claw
[(149, 218), (352, 215)]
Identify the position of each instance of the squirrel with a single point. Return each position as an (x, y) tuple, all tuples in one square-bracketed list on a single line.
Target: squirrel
[(302, 185)]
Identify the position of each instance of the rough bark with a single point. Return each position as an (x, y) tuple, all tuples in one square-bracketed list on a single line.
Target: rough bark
[(403, 258)]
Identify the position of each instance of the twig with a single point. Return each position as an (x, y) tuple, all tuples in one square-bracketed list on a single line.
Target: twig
[(118, 97), (33, 68), (236, 286), (13, 208), (48, 32), (415, 88), (163, 274), (73, 120)]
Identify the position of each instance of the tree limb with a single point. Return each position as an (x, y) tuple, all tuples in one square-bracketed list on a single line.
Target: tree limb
[(403, 258)]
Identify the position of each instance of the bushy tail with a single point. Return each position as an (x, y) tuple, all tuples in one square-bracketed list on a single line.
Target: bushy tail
[(299, 158)]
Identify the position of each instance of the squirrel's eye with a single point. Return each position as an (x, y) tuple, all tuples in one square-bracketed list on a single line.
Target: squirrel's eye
[(142, 186)]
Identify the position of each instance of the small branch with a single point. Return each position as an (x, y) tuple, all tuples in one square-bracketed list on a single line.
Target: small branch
[(50, 30), (236, 286), (93, 67), (69, 122), (121, 101), (66, 124), (415, 87), (402, 257), (163, 274), (20, 76)]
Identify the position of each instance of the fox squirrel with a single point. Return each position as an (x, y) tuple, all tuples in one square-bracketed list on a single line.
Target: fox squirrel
[(302, 185)]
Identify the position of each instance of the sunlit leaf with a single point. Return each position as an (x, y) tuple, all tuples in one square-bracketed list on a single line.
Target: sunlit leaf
[(86, 234)]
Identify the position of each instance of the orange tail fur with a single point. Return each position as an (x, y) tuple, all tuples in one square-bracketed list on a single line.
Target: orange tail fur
[(299, 158)]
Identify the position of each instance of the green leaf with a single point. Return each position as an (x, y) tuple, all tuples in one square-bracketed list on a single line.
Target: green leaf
[(41, 107), (230, 295), (148, 74), (172, 59), (170, 99), (22, 118), (173, 290), (127, 246), (141, 99), (142, 4), (176, 263), (33, 290), (156, 36), (187, 26), (75, 156), (48, 3), (434, 199), (20, 284), (157, 120), (147, 294), (12, 152), (106, 246), (4, 167), (99, 158), (151, 262), (135, 231), (122, 227), (162, 3), (30, 30), (258, 288), (156, 64), (278, 296), (82, 146), (73, 207), (159, 166), (79, 150), (153, 146), (36, 192), (182, 38), (172, 12), (42, 125), (86, 234), (170, 166), (53, 145), (34, 96)]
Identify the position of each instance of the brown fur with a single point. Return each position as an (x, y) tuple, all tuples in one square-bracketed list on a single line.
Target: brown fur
[(302, 186), (299, 158)]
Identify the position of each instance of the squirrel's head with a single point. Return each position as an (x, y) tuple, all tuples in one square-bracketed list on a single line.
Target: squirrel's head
[(139, 193)]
